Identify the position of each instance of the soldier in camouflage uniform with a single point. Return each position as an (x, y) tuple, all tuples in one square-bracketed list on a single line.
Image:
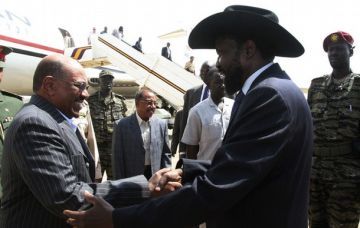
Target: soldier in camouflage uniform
[(9, 105), (106, 107), (334, 101)]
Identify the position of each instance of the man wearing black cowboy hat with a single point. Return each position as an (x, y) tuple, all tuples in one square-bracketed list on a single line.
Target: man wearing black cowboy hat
[(260, 175)]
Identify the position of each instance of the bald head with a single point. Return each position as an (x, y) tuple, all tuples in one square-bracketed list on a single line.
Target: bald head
[(57, 66), (62, 82)]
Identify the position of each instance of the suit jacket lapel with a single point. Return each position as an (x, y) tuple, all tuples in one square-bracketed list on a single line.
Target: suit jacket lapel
[(154, 137), (197, 95), (136, 128), (235, 108), (139, 147)]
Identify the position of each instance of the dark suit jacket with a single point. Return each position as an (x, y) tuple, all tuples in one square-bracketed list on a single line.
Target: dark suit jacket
[(175, 141), (46, 168), (165, 53), (191, 98), (259, 176), (128, 153)]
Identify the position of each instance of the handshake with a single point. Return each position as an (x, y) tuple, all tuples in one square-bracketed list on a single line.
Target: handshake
[(100, 215), (164, 181)]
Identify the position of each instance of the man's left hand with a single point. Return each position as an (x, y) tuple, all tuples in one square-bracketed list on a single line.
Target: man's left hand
[(100, 215)]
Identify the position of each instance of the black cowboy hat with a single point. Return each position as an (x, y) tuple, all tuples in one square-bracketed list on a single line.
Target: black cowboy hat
[(246, 22)]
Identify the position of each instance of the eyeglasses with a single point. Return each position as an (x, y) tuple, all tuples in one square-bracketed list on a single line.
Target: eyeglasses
[(149, 102), (80, 85)]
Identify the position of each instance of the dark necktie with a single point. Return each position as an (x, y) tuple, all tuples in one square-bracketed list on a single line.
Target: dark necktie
[(206, 93), (236, 105), (90, 159)]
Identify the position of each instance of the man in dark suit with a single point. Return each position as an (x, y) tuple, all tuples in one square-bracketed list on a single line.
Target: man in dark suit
[(46, 165), (260, 175), (191, 98), (140, 141), (166, 52)]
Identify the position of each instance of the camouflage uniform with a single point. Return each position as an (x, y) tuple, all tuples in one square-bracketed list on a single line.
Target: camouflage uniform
[(335, 177), (9, 105), (104, 112)]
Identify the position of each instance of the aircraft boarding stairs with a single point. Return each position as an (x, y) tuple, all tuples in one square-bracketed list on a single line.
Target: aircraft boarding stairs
[(164, 77)]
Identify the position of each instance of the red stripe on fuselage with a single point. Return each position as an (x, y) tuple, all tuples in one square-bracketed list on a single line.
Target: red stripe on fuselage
[(30, 44)]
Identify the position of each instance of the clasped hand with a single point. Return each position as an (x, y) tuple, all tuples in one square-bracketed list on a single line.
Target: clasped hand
[(100, 215), (164, 181)]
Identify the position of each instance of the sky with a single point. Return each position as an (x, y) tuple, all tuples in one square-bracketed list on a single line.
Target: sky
[(309, 21)]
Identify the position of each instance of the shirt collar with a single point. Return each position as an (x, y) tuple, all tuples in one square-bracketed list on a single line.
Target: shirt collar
[(70, 121), (249, 81), (140, 120), (211, 102)]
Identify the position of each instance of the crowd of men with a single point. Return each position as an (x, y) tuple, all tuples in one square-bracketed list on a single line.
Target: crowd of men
[(268, 158)]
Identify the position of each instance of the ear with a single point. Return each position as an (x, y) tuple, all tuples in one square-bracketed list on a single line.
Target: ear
[(49, 85), (351, 51), (250, 48)]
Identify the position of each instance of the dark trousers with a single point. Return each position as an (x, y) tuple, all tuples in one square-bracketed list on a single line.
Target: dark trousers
[(147, 172)]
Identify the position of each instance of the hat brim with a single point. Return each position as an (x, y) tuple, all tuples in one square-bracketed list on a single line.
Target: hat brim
[(107, 75), (245, 25)]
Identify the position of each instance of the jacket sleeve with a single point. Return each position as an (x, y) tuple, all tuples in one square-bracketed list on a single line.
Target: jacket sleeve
[(192, 168)]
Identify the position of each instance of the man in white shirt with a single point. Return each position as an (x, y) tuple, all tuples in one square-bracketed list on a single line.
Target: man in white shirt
[(191, 98), (208, 120)]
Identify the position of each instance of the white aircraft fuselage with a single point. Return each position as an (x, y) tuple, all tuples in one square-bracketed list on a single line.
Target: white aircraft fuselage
[(30, 43)]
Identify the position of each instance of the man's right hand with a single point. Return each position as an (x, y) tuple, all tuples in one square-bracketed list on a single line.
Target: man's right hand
[(164, 181)]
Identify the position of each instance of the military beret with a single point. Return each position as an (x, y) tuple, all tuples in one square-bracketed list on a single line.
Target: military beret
[(337, 37), (3, 52), (105, 73)]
